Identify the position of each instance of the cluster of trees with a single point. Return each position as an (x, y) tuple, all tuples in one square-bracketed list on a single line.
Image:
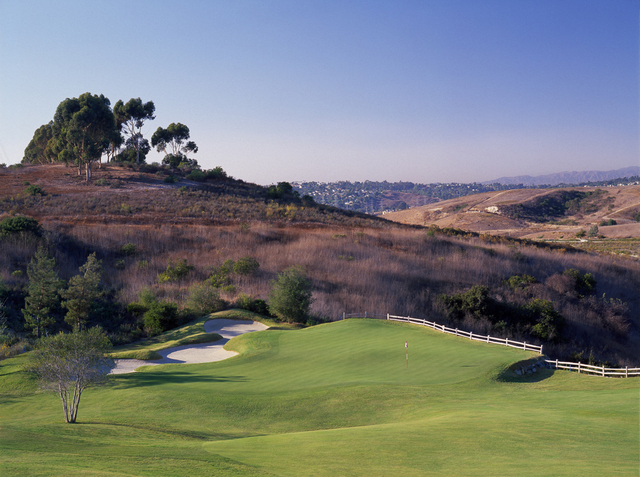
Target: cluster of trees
[(534, 316), (86, 128)]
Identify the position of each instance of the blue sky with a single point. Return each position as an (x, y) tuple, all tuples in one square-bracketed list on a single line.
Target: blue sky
[(422, 91)]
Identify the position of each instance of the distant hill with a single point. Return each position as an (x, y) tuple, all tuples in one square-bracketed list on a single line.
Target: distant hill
[(574, 177)]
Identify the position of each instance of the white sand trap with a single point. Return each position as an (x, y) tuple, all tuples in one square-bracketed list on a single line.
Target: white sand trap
[(200, 353)]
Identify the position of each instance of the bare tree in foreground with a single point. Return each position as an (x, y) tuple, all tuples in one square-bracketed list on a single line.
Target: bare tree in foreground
[(69, 363)]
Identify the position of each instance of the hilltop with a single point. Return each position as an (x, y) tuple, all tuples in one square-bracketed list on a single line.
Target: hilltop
[(535, 213)]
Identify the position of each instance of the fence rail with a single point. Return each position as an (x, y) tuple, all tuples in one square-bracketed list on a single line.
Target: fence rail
[(597, 370), (579, 367)]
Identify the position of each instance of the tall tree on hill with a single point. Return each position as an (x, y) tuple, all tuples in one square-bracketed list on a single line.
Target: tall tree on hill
[(131, 116), (82, 292), (173, 141), (42, 292), (39, 150), (83, 127)]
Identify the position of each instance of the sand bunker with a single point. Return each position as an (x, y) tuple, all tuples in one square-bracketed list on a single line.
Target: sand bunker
[(200, 353)]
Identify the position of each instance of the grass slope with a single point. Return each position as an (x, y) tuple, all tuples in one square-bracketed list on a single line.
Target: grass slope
[(335, 399)]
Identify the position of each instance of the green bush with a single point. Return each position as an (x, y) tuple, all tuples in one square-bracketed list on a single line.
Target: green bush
[(21, 224), (204, 299), (256, 305), (170, 179), (291, 295), (160, 317), (34, 189), (197, 175), (246, 266), (128, 249), (548, 322), (175, 272), (585, 283), (518, 282), (216, 174)]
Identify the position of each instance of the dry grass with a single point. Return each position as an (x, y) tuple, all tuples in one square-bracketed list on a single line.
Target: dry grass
[(363, 265)]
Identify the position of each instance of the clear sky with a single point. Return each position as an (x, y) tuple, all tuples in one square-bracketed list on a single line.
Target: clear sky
[(286, 90)]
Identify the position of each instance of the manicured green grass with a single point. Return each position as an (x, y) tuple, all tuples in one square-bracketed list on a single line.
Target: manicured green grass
[(191, 333), (331, 400)]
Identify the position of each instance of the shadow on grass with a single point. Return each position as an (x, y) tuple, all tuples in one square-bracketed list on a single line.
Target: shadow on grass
[(157, 378), (508, 375)]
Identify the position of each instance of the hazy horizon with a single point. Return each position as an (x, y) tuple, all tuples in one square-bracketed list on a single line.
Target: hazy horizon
[(420, 91)]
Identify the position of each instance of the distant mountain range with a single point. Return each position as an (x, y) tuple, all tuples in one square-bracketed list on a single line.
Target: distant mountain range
[(568, 177)]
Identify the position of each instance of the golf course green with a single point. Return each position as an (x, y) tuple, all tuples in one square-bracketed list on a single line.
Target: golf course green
[(338, 399)]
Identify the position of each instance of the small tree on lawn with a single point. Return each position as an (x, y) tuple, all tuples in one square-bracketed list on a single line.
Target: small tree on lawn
[(290, 297), (69, 363)]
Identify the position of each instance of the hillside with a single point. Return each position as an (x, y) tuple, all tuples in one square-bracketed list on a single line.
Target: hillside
[(165, 244), (535, 213)]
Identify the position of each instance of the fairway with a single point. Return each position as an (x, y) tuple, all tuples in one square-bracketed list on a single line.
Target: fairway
[(330, 400)]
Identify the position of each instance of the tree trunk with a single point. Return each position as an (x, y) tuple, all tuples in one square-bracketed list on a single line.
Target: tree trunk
[(88, 169)]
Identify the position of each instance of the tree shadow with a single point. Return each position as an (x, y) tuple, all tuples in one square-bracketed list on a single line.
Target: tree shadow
[(157, 378)]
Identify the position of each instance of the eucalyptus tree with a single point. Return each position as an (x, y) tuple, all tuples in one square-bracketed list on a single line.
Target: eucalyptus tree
[(39, 150), (82, 128), (173, 141), (131, 116)]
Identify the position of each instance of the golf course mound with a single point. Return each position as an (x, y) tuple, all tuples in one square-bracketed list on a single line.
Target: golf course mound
[(343, 398)]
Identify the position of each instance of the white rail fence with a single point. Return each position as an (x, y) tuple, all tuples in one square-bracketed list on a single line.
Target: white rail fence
[(579, 367)]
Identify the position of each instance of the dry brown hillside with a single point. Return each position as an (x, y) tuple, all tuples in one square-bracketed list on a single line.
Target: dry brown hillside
[(526, 213)]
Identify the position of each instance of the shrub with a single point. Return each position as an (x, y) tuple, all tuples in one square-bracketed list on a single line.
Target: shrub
[(21, 224), (128, 249), (584, 284), (548, 322), (217, 173), (519, 282), (170, 179), (175, 272), (606, 223), (102, 182), (160, 317), (204, 299), (119, 264), (246, 266), (593, 231), (197, 175), (34, 189), (220, 276), (475, 301), (291, 295), (256, 305)]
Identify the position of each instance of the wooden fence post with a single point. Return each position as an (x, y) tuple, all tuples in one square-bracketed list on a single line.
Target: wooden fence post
[(556, 363), (506, 341), (541, 346), (626, 371), (488, 336), (456, 331), (387, 316), (471, 335), (344, 315), (524, 347), (578, 367)]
